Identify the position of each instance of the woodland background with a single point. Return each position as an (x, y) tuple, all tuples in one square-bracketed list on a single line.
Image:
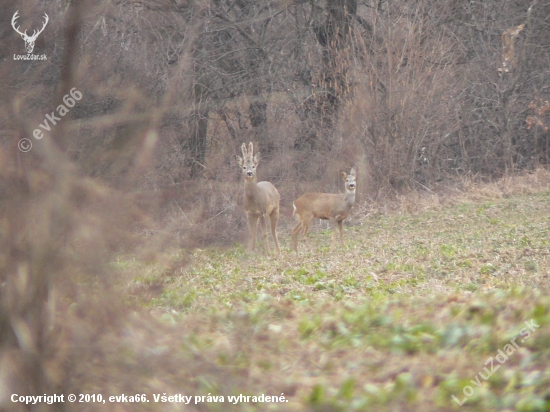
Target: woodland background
[(407, 92)]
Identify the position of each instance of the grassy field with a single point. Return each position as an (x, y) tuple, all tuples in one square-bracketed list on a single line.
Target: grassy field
[(415, 309)]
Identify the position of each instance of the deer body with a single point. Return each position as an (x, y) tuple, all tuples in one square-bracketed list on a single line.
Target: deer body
[(261, 200), (332, 207)]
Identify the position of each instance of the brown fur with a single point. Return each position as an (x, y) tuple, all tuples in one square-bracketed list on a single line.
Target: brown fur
[(260, 199), (332, 207)]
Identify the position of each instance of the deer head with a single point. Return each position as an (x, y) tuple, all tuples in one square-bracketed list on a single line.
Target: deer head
[(248, 162), (349, 180), (29, 40)]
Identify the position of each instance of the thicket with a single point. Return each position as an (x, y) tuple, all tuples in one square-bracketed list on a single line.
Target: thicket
[(409, 93)]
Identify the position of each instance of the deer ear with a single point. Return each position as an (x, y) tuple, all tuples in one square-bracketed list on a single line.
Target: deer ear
[(240, 160), (344, 175), (257, 158), (352, 172)]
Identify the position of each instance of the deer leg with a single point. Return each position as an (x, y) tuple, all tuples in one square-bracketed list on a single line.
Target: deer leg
[(333, 225), (341, 228), (305, 228), (306, 221), (252, 228), (264, 232), (297, 229), (274, 218)]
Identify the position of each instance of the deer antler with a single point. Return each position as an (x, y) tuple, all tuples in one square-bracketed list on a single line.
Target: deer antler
[(14, 18), (25, 35), (35, 33)]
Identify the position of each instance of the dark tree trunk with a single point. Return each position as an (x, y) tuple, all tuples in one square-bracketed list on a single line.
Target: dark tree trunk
[(198, 128), (333, 35), (258, 121)]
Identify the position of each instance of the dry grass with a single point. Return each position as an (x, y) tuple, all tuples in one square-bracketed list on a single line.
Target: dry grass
[(401, 319)]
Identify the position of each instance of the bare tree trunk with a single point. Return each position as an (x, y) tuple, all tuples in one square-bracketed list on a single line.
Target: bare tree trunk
[(258, 121), (333, 35), (198, 128), (198, 120)]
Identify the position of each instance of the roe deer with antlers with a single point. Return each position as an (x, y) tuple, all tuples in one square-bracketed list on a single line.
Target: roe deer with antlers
[(332, 207), (260, 199)]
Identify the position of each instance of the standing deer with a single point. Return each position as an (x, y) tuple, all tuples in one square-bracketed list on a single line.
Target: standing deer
[(332, 207), (260, 199)]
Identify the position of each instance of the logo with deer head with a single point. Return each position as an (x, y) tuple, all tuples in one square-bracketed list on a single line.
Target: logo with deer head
[(29, 40)]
